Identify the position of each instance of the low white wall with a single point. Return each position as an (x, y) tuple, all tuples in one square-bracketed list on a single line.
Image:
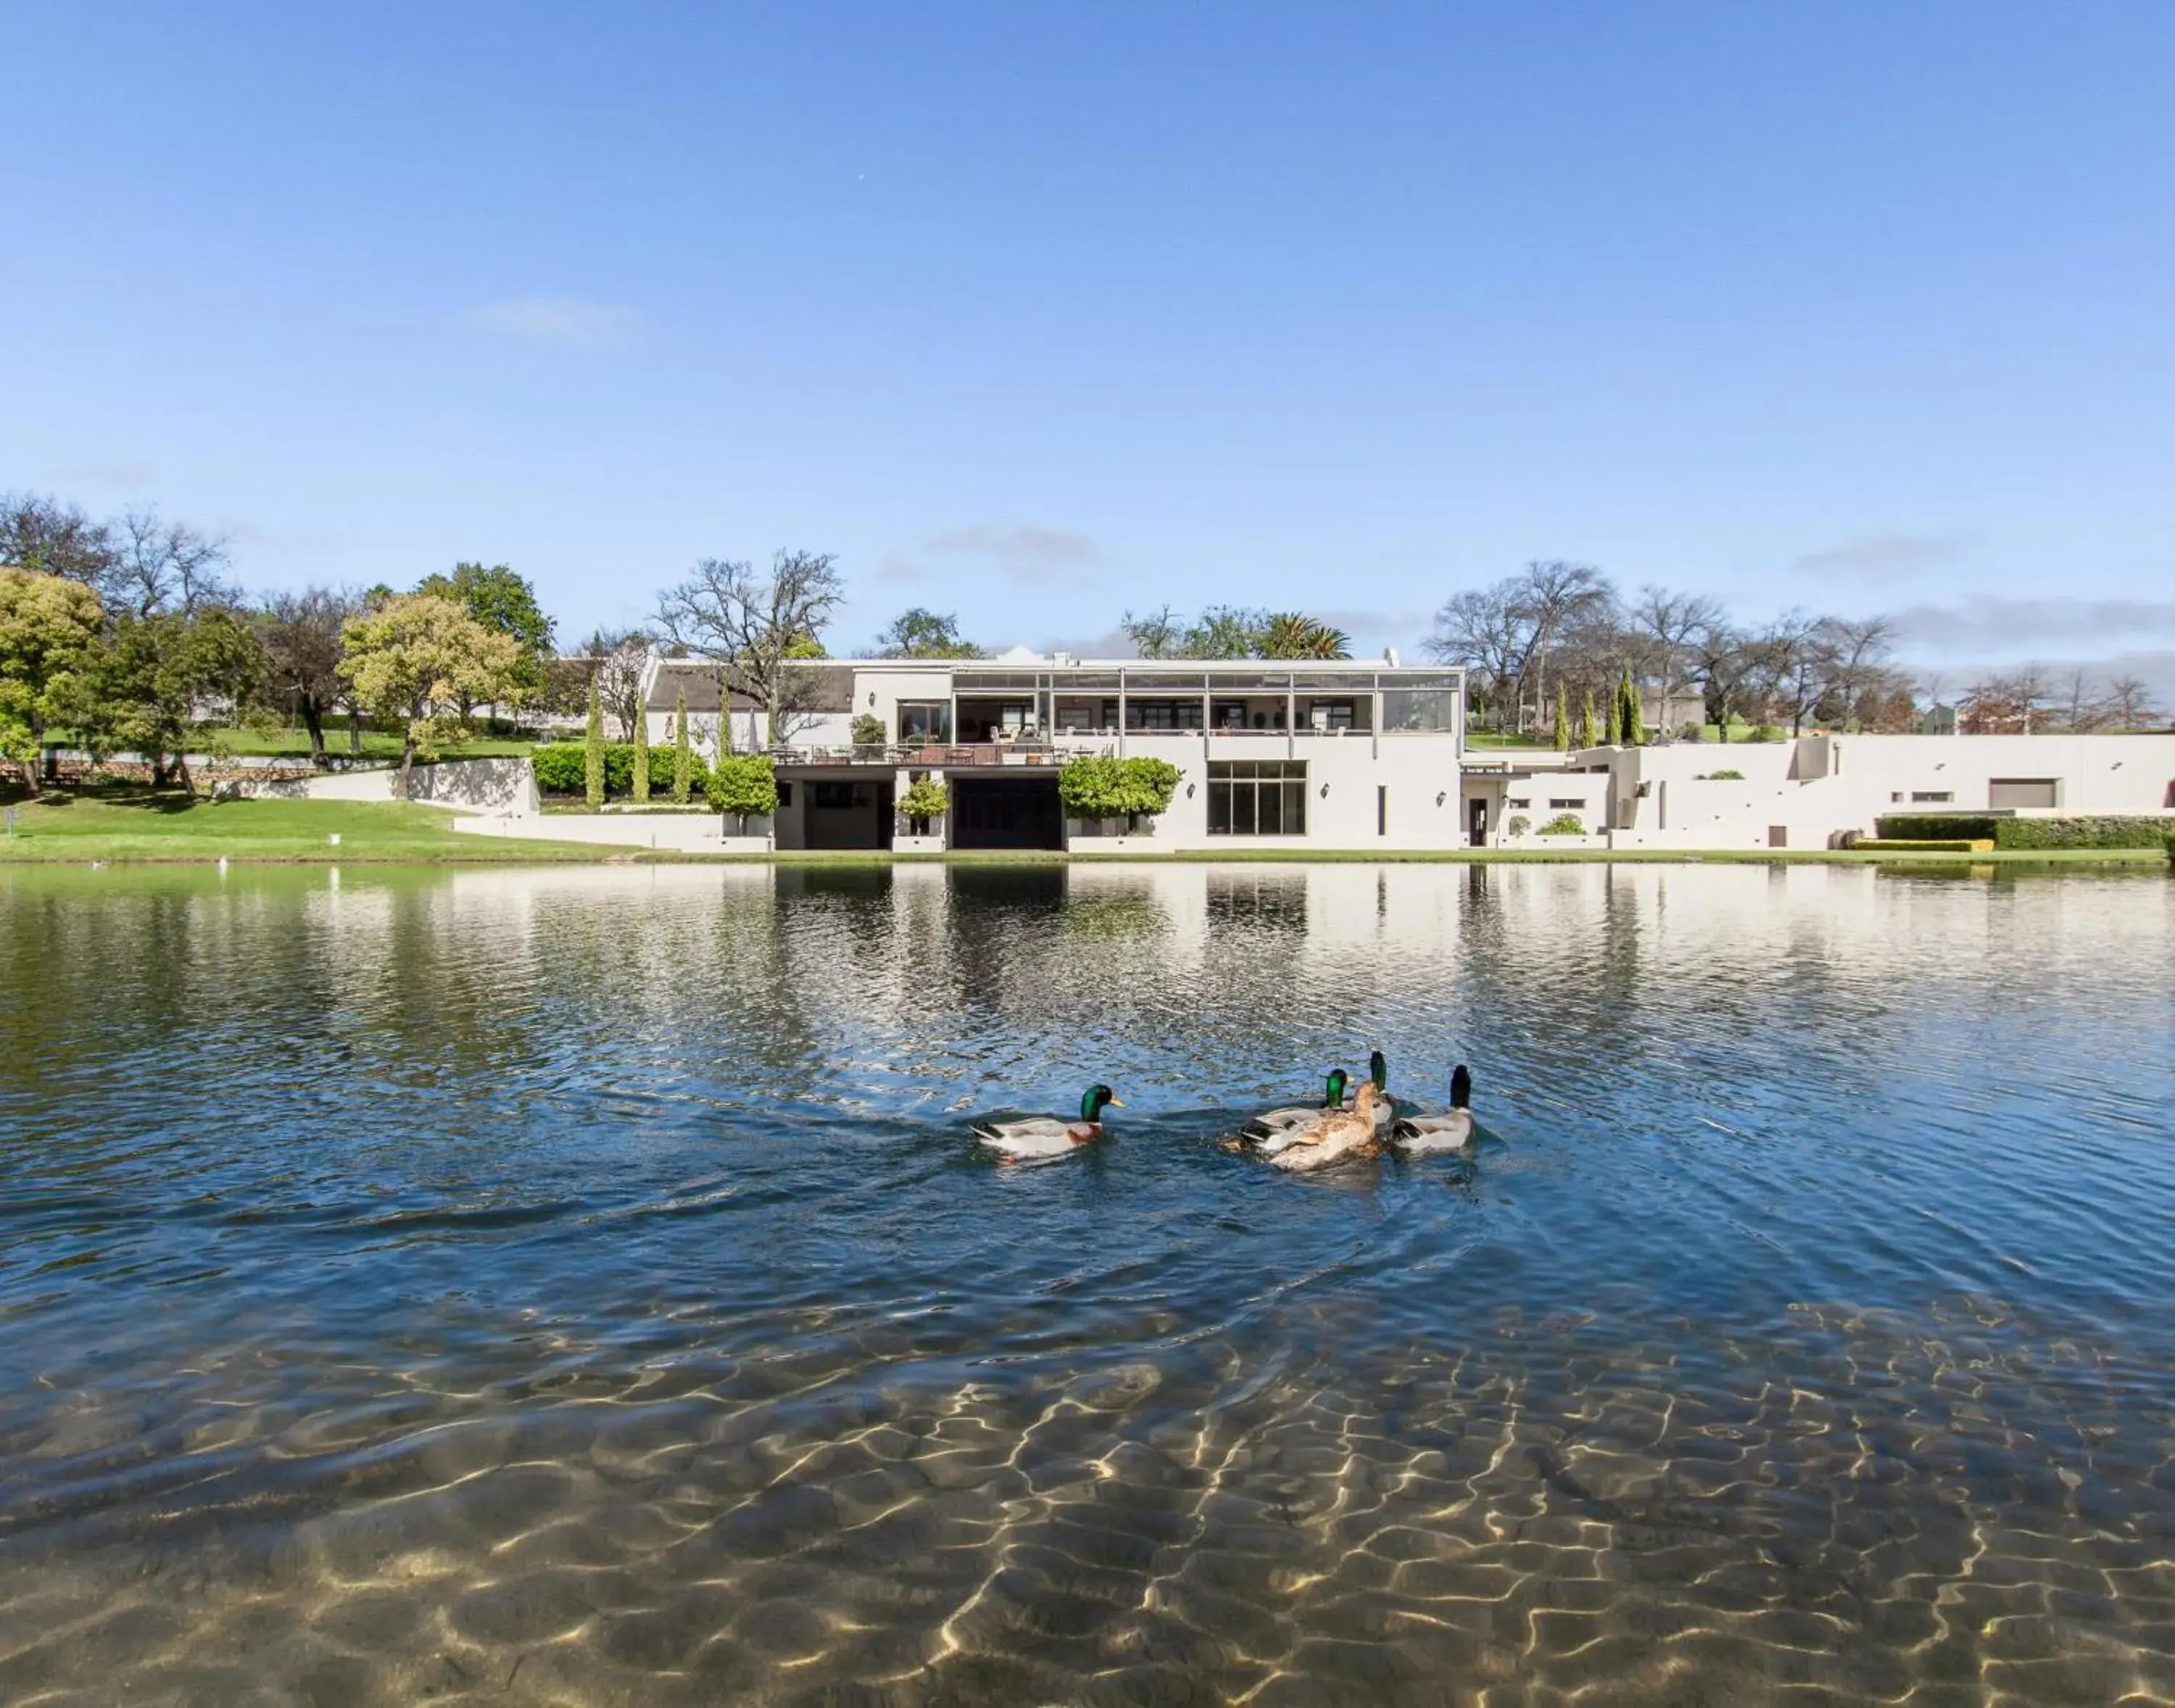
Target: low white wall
[(917, 844), (674, 833), (506, 785)]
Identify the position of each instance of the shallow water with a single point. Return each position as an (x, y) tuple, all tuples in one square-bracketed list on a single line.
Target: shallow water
[(580, 1286)]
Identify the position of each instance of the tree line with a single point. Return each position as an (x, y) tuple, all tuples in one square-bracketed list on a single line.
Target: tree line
[(1558, 633), (121, 633)]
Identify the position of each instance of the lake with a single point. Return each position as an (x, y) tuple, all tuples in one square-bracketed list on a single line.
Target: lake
[(580, 1285)]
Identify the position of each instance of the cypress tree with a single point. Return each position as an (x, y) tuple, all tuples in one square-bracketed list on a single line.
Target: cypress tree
[(683, 761), (1634, 735), (1589, 732), (593, 759), (1613, 731), (642, 754), (1563, 721)]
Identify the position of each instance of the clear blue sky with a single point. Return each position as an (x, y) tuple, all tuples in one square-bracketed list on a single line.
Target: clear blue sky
[(1040, 311)]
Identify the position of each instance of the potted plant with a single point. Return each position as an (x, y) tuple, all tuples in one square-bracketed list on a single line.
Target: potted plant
[(925, 799)]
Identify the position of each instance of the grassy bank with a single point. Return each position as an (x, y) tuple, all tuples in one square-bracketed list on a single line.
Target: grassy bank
[(119, 826)]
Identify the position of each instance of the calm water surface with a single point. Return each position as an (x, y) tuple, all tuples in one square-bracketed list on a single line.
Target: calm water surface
[(580, 1286)]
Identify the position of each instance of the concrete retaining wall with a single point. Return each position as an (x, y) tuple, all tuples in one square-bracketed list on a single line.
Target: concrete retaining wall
[(504, 786), (673, 833)]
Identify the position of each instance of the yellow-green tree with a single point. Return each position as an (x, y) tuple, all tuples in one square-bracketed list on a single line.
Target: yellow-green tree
[(421, 660), (49, 636)]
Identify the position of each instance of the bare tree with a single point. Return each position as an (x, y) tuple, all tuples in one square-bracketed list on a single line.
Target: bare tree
[(1795, 657), (155, 565), (1552, 594), (753, 628), (1857, 650), (1730, 666), (50, 538), (2081, 710), (1482, 630), (618, 661), (302, 650), (2129, 703)]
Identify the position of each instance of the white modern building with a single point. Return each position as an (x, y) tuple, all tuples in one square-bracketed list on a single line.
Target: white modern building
[(1354, 755), (1808, 792), (1271, 755)]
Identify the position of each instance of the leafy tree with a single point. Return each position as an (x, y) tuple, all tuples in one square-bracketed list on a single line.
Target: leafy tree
[(1126, 788), (744, 785), (754, 629), (926, 799), (49, 643), (1293, 635), (424, 661), (1563, 721), (504, 603), (920, 633), (157, 670), (593, 770), (1158, 634), (1226, 631), (683, 757), (302, 651), (866, 730)]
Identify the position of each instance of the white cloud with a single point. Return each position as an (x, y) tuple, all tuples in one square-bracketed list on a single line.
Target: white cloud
[(120, 474), (1033, 556), (2022, 627), (566, 321), (1886, 554)]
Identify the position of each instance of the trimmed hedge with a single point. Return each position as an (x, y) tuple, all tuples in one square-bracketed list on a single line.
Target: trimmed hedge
[(2170, 847), (561, 768), (2103, 830), (1927, 845)]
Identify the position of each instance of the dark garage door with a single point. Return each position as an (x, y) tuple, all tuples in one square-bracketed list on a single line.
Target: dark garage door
[(1005, 812)]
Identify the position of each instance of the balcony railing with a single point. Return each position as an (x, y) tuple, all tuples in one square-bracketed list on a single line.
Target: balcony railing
[(949, 755)]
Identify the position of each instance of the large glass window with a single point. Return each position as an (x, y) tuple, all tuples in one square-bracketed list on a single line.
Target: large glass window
[(929, 719), (1427, 711), (1257, 797), (1162, 714)]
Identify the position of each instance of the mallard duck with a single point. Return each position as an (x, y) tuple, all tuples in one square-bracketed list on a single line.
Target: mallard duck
[(1272, 1129), (1333, 1138), (1049, 1135), (1446, 1132)]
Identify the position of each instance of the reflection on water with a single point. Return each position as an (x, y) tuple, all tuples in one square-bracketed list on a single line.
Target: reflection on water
[(580, 1286)]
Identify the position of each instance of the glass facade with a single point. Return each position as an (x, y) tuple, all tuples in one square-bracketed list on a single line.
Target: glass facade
[(1422, 710), (1257, 797)]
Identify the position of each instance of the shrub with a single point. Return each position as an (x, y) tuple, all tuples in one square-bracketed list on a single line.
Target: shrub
[(925, 799), (2104, 830), (1881, 844), (593, 752), (1563, 824), (744, 785), (868, 731), (1126, 788), (1731, 776), (2170, 847), (562, 768), (1520, 824)]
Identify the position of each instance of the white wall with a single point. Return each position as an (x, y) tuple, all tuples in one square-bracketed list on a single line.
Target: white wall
[(677, 833), (504, 785), (1816, 788), (1419, 772)]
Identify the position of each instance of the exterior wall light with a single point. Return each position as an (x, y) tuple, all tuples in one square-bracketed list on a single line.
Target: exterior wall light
[(1325, 791), (1440, 796)]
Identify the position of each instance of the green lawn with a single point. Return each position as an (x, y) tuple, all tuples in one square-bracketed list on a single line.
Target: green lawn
[(377, 744), (117, 825)]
